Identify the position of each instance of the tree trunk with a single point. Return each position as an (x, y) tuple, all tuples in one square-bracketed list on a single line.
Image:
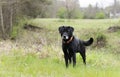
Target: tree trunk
[(11, 19), (2, 23)]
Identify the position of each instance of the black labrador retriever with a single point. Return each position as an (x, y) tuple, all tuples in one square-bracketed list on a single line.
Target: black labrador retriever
[(72, 45)]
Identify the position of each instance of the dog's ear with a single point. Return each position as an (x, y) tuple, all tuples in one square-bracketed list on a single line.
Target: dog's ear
[(71, 28), (60, 29)]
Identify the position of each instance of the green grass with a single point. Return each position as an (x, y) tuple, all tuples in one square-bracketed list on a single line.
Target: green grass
[(77, 23), (39, 54), (17, 64)]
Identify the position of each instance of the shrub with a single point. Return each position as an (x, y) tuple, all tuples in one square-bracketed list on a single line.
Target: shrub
[(100, 40), (100, 15), (17, 27), (61, 12)]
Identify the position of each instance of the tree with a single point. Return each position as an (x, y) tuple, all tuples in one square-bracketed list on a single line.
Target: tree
[(34, 8), (72, 7), (62, 12), (11, 11), (2, 24), (6, 17)]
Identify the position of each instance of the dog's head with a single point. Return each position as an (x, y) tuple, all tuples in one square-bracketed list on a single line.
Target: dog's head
[(66, 32)]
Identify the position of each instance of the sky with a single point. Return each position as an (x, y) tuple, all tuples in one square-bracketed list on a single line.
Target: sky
[(101, 3)]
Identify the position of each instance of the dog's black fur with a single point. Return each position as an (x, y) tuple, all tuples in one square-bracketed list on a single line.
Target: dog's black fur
[(72, 45)]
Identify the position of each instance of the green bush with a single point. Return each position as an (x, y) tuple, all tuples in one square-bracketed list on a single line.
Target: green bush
[(17, 27), (100, 15), (61, 12)]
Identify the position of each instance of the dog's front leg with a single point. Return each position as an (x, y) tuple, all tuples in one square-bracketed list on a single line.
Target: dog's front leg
[(66, 59), (74, 59), (66, 56), (70, 57)]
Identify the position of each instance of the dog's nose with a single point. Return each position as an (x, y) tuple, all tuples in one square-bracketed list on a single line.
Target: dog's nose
[(64, 36)]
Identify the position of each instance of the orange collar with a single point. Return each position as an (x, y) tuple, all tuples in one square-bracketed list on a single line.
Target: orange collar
[(69, 40)]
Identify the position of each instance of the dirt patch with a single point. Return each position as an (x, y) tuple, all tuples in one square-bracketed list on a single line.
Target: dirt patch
[(100, 41), (114, 29), (32, 27)]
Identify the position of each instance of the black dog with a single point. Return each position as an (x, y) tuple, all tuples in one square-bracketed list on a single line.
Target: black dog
[(72, 45)]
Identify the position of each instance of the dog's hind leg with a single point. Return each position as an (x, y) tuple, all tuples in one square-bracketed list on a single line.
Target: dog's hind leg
[(83, 54)]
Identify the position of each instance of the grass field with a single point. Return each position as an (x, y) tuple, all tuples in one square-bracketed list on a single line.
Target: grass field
[(39, 54)]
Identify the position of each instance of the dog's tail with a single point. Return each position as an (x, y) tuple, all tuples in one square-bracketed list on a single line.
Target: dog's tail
[(89, 42)]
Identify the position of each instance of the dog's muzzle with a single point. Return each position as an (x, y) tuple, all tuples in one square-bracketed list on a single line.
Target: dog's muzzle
[(65, 36)]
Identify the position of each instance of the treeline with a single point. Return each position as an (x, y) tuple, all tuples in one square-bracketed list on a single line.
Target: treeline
[(72, 9), (13, 11)]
